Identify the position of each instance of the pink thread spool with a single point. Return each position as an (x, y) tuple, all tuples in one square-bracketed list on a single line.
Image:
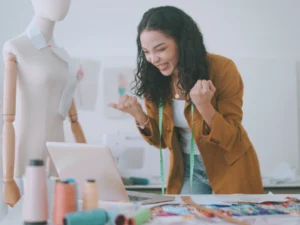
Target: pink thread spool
[(90, 195), (35, 205)]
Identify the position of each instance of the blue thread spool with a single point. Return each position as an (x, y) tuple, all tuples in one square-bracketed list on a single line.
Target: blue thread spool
[(90, 217)]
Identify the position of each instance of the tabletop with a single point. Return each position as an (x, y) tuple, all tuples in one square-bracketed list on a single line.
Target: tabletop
[(15, 214)]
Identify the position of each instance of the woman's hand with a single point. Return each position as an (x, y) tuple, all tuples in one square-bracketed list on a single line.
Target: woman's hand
[(202, 93), (130, 105)]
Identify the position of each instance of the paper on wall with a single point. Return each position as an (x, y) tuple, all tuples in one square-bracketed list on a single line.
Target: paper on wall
[(87, 90)]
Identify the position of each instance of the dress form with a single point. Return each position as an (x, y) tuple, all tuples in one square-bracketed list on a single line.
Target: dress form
[(39, 83)]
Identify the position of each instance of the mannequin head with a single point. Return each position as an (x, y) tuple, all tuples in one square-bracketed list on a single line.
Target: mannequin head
[(53, 10)]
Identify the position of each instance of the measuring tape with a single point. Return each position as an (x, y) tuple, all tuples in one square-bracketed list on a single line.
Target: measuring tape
[(162, 176)]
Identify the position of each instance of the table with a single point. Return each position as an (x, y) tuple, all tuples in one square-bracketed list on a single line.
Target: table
[(281, 188), (15, 215)]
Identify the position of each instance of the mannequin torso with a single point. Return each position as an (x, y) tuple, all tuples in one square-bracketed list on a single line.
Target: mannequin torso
[(39, 83), (41, 79)]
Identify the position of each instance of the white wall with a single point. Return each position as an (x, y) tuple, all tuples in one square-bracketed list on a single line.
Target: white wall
[(106, 30)]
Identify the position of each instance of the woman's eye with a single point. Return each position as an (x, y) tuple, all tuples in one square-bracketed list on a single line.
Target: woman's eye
[(161, 49)]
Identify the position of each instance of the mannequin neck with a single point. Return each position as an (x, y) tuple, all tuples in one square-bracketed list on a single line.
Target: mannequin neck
[(45, 26)]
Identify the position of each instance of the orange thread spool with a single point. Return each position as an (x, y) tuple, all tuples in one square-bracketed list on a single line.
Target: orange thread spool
[(64, 201)]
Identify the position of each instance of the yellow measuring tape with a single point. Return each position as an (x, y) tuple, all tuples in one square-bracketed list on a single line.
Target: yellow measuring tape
[(162, 176)]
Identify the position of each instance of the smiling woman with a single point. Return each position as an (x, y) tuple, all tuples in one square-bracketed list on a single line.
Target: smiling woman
[(194, 108), (160, 50), (168, 48)]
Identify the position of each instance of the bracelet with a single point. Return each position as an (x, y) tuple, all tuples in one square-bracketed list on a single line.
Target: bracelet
[(143, 126)]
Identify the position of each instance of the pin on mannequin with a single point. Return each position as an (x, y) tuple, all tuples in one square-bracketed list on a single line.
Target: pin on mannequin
[(39, 85)]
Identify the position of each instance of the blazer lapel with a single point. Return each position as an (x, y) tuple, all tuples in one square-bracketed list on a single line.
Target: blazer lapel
[(168, 109), (188, 102)]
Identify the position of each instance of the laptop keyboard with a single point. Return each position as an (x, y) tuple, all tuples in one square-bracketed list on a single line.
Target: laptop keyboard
[(133, 198)]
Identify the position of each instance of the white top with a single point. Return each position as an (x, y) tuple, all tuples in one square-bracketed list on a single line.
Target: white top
[(182, 126)]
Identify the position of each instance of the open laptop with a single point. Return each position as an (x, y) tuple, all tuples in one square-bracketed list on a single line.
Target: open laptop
[(84, 161)]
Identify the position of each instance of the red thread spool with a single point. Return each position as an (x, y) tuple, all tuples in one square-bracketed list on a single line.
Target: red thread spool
[(64, 201)]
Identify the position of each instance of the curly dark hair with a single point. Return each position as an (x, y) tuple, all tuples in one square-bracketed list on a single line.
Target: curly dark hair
[(192, 63)]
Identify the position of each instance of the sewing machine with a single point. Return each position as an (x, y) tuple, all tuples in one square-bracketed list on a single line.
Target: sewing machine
[(135, 157)]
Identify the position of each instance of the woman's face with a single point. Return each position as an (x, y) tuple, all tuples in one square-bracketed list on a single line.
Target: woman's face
[(161, 51)]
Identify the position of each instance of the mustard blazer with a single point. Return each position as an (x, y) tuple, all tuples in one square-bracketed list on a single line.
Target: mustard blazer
[(229, 157)]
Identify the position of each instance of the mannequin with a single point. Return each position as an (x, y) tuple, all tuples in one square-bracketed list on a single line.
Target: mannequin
[(39, 84)]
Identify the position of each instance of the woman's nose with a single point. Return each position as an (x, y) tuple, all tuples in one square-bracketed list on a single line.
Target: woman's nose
[(154, 58)]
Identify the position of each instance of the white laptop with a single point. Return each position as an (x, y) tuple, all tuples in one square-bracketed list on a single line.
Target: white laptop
[(84, 161)]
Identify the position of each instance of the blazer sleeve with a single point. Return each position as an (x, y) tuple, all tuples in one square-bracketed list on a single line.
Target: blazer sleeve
[(227, 130), (151, 131)]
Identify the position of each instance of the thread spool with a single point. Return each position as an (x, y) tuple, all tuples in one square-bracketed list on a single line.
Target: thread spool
[(139, 181), (143, 215), (90, 217), (115, 217), (35, 205), (120, 219), (64, 201), (90, 195), (73, 181), (51, 187)]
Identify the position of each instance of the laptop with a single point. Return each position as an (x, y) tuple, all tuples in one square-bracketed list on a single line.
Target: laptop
[(81, 162)]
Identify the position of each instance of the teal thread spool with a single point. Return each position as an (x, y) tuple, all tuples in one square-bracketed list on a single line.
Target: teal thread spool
[(90, 217), (139, 181), (142, 216)]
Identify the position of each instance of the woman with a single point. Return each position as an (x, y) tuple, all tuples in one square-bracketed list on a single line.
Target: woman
[(200, 96)]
